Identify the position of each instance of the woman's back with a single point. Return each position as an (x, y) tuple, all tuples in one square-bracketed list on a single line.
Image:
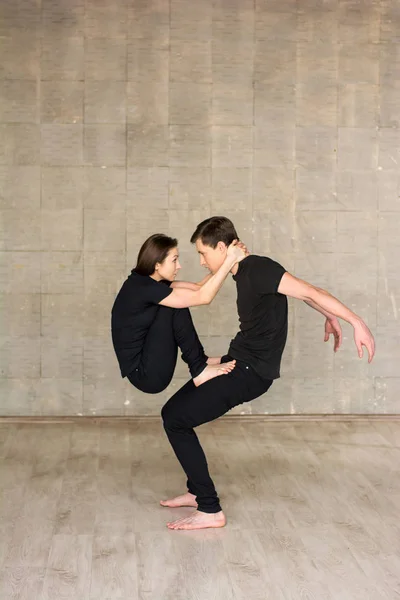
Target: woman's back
[(134, 310)]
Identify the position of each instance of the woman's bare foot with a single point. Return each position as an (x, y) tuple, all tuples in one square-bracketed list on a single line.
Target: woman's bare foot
[(212, 371), (214, 360), (199, 520), (187, 499)]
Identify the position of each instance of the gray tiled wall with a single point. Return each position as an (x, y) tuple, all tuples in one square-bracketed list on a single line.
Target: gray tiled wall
[(119, 119)]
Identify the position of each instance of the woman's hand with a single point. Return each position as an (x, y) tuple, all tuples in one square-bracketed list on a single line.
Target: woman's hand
[(243, 247), (237, 250)]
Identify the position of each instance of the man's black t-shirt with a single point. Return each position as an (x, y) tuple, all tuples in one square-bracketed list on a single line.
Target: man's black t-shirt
[(134, 310), (263, 316)]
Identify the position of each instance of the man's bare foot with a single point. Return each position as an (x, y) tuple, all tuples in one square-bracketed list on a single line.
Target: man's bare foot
[(199, 520), (214, 360), (212, 371), (187, 499)]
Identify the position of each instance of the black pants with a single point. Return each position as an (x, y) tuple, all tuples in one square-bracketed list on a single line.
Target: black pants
[(191, 406), (171, 328)]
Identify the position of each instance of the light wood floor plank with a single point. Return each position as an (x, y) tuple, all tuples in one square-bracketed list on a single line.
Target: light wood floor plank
[(312, 513), (21, 583)]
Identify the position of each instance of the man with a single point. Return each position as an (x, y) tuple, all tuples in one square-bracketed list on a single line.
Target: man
[(262, 289)]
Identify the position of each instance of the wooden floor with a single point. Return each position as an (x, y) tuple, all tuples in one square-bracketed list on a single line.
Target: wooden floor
[(313, 513)]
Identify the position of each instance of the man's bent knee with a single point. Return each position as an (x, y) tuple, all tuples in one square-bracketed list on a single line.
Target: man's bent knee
[(164, 412), (171, 420), (166, 415)]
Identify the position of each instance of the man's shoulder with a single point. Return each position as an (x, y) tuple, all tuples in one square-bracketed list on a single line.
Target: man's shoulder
[(256, 260), (253, 265), (261, 265)]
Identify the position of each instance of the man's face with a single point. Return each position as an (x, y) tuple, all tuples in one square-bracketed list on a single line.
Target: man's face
[(211, 258)]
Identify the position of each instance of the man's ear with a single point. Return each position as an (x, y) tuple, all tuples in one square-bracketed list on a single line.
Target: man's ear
[(222, 247)]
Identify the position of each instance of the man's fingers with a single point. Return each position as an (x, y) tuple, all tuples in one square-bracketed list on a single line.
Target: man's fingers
[(336, 343), (339, 339), (326, 338), (371, 351), (369, 345)]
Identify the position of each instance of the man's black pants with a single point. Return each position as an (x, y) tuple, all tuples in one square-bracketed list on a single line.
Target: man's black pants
[(192, 406)]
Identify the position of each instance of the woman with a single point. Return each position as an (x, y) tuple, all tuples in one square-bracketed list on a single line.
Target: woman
[(150, 317)]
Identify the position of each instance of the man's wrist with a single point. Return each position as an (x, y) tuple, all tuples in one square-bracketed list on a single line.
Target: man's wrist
[(355, 320), (331, 317)]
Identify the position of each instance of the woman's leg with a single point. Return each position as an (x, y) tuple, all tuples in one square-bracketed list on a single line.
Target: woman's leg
[(171, 328), (188, 341)]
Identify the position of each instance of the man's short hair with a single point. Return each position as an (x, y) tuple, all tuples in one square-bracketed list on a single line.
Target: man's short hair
[(214, 230)]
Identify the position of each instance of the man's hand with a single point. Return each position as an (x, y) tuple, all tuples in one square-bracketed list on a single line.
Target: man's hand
[(363, 337), (235, 250), (332, 326)]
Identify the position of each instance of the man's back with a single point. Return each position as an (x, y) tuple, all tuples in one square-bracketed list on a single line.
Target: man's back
[(263, 316)]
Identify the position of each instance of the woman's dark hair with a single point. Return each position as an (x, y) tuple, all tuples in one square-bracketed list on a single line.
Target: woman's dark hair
[(214, 230), (153, 251)]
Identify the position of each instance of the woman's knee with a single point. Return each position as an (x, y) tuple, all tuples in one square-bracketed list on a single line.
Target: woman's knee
[(154, 388), (147, 385)]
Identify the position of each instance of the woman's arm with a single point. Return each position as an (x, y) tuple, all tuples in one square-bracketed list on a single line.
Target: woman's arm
[(184, 298), (203, 281), (190, 285)]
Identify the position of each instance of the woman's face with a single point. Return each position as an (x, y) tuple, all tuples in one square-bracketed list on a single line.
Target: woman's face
[(170, 266)]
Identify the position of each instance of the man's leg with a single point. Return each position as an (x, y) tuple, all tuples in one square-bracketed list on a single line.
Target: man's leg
[(191, 407)]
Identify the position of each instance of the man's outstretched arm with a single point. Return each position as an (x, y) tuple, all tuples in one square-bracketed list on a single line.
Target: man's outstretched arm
[(297, 288), (332, 325), (315, 306)]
